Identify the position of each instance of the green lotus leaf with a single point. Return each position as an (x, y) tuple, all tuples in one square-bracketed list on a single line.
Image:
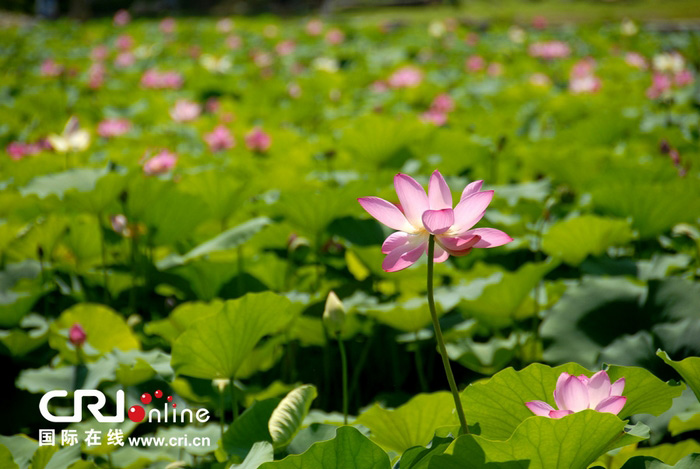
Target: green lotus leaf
[(688, 368), (575, 239), (572, 442), (348, 450), (217, 346), (498, 404), (105, 331), (412, 424)]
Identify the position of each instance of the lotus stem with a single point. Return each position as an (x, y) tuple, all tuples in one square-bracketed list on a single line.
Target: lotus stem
[(441, 341)]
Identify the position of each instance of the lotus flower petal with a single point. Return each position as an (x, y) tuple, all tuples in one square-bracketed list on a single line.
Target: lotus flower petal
[(413, 198), (386, 213), (612, 404), (470, 210), (438, 221), (540, 408)]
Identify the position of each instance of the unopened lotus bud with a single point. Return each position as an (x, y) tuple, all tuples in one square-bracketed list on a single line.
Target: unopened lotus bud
[(77, 335), (220, 384), (334, 314)]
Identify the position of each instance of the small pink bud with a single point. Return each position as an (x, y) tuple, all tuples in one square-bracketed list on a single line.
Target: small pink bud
[(77, 335)]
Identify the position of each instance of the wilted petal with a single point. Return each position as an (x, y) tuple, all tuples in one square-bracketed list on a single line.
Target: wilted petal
[(472, 188), (612, 404), (598, 388), (439, 194), (385, 212), (540, 408), (617, 387), (470, 209), (402, 257), (557, 414), (572, 395), (413, 198), (489, 237), (394, 240), (438, 221)]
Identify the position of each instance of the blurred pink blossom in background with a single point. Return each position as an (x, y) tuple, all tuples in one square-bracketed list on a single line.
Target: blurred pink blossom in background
[(475, 63), (219, 139), (185, 110), (285, 47), (406, 77), (155, 79), (314, 27), (124, 42), (234, 42), (224, 25), (113, 127), (549, 50), (49, 68), (121, 18), (167, 25), (335, 36), (258, 140), (635, 59), (161, 163), (124, 59)]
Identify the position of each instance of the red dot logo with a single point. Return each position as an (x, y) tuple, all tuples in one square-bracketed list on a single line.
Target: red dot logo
[(158, 394), (136, 413), (146, 398), (170, 398)]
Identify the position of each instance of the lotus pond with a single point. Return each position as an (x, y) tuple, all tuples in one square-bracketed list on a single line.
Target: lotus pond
[(188, 279)]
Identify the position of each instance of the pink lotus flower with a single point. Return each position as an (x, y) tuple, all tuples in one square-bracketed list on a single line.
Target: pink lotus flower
[(113, 127), (77, 335), (314, 27), (475, 63), (335, 36), (683, 78), (124, 59), (435, 117), (285, 47), (495, 69), (583, 68), (419, 215), (159, 164), (121, 18), (99, 53), (549, 50), (185, 110), (442, 103), (125, 42), (585, 84), (234, 42), (18, 150), (224, 25), (257, 140), (154, 79), (577, 393), (219, 139), (49, 68), (660, 85), (167, 25), (406, 77), (294, 90), (96, 75), (539, 22), (636, 60)]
